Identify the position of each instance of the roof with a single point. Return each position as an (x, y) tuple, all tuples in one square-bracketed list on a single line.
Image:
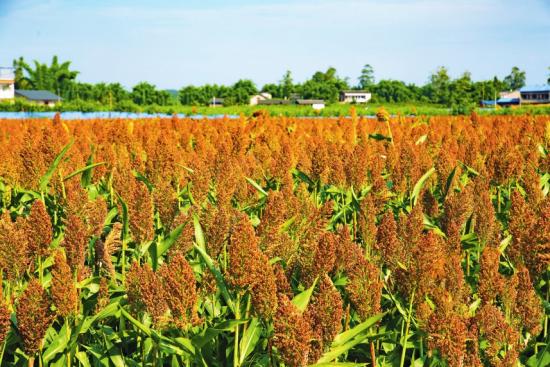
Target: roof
[(273, 101), (535, 88), (355, 91), (309, 101), (508, 100), (37, 95)]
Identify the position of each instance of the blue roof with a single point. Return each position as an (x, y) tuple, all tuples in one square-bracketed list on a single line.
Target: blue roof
[(508, 100), (37, 95), (535, 88)]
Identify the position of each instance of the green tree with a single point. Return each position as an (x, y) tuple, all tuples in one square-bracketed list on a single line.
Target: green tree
[(56, 77), (487, 89), (192, 96), (274, 89), (548, 80), (460, 90), (325, 86), (243, 90), (147, 94), (516, 79), (393, 91), (366, 80), (438, 88), (286, 84), (21, 82)]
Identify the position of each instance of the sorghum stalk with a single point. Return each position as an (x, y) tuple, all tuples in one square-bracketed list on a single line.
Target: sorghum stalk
[(237, 317), (247, 312), (68, 326), (123, 261), (389, 131), (3, 350), (372, 354), (406, 337), (546, 316)]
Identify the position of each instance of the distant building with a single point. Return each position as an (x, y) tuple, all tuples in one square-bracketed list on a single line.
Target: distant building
[(515, 94), (41, 97), (316, 104), (216, 102), (255, 100), (7, 84), (272, 102), (505, 99), (535, 94), (355, 96)]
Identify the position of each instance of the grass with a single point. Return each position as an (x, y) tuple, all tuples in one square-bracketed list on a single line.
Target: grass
[(331, 110)]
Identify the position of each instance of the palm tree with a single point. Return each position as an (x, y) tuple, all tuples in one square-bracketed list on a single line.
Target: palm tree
[(56, 78)]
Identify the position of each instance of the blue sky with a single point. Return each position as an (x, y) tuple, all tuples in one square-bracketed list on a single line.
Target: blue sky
[(173, 43)]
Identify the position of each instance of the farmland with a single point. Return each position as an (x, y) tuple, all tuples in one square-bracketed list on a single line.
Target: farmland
[(275, 241)]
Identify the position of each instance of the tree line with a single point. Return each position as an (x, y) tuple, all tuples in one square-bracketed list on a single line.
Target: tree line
[(441, 89)]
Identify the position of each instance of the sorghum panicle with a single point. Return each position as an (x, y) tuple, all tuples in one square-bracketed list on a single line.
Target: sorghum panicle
[(33, 316), (63, 290)]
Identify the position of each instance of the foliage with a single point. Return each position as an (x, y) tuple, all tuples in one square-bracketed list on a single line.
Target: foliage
[(366, 79), (516, 79), (55, 77), (460, 94), (323, 85)]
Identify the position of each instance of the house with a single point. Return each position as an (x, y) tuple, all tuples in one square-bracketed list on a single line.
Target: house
[(255, 100), (7, 84), (510, 94), (535, 94), (503, 102), (355, 96), (216, 102), (505, 99), (272, 102), (316, 104), (41, 97)]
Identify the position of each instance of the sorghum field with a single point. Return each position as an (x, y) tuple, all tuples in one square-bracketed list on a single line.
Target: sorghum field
[(270, 241)]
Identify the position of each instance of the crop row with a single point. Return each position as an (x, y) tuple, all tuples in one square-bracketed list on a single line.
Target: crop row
[(275, 241)]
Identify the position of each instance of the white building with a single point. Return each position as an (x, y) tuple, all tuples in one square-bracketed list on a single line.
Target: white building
[(255, 100), (316, 104), (7, 84), (355, 96)]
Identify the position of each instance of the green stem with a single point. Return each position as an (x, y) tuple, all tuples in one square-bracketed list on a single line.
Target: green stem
[(498, 200), (123, 261), (237, 317), (3, 350), (546, 316), (140, 341), (247, 312), (467, 263), (355, 225), (40, 269), (68, 326), (406, 336), (155, 354)]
